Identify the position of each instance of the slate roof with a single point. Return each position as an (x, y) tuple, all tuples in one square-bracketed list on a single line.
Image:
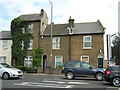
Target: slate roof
[(31, 17), (5, 35), (79, 28)]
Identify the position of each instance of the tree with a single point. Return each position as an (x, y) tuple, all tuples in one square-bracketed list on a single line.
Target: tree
[(37, 57), (18, 54), (116, 48), (116, 41)]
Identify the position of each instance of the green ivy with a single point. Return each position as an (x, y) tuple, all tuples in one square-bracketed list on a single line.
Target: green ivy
[(18, 36), (37, 57)]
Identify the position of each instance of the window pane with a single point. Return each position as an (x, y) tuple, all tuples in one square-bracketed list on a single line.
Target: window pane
[(28, 61), (85, 59), (77, 65), (87, 44), (58, 60), (30, 45), (87, 38), (84, 65), (30, 28), (58, 64)]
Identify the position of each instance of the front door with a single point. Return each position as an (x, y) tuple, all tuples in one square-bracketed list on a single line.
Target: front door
[(100, 62), (44, 62)]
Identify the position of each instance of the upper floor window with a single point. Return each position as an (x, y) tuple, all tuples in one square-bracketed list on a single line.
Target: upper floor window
[(30, 28), (5, 44), (30, 45), (23, 30), (87, 42), (56, 43), (22, 45)]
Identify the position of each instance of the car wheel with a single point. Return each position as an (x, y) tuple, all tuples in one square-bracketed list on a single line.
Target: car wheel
[(70, 75), (99, 76), (6, 76), (116, 81)]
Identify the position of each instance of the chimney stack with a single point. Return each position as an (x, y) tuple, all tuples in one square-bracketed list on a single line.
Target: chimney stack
[(42, 12), (71, 22)]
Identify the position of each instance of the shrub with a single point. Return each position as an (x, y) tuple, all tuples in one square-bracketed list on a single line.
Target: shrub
[(27, 69)]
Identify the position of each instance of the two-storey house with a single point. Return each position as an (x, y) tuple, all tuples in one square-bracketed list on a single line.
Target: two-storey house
[(74, 41), (5, 46)]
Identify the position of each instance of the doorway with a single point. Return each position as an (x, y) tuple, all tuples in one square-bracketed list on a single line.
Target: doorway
[(44, 62)]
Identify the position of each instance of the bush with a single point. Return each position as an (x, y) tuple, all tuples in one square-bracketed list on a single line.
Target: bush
[(23, 68), (30, 70), (59, 66), (27, 69)]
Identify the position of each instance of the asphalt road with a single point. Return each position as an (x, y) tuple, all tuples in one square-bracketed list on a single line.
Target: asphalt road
[(55, 81)]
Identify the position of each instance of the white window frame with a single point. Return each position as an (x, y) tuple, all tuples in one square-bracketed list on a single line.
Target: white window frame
[(30, 28), (28, 58), (30, 45), (85, 57), (56, 60), (23, 30), (5, 44), (22, 45), (55, 43), (87, 42)]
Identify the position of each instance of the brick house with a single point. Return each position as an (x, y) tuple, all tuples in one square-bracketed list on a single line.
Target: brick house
[(71, 41), (74, 41), (36, 26)]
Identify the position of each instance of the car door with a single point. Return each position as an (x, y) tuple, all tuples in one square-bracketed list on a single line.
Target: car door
[(86, 69), (77, 68)]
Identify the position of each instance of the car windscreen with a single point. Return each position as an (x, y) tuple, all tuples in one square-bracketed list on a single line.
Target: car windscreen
[(6, 65)]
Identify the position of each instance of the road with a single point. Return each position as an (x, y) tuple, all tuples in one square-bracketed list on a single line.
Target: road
[(55, 81)]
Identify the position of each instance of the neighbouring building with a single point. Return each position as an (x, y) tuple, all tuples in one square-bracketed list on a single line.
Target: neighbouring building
[(36, 26), (70, 41), (5, 46)]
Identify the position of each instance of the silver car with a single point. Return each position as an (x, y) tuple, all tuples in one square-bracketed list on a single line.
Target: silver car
[(7, 71)]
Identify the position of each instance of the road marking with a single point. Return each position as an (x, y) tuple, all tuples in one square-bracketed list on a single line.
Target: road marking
[(55, 82), (77, 83), (59, 82), (43, 85), (52, 84)]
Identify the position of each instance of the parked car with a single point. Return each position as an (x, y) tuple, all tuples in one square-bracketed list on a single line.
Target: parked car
[(7, 71), (112, 75), (74, 69)]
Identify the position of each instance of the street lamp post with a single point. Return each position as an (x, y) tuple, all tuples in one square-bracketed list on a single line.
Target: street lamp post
[(51, 38)]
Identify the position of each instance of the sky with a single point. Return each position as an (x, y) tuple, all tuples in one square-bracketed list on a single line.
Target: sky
[(80, 10)]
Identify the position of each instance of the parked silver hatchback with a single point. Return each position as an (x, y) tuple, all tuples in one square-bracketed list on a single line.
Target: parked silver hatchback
[(7, 71)]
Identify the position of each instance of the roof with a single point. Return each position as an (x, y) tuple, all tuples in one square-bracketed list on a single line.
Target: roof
[(79, 28), (31, 17), (5, 35)]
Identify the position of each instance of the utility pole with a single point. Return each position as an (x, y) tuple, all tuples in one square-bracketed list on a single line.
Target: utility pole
[(51, 37)]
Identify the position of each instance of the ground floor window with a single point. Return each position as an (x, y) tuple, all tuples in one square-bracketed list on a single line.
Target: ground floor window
[(85, 58), (28, 61), (58, 61), (2, 58)]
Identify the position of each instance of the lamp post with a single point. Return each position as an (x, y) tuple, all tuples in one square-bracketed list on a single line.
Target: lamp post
[(51, 37)]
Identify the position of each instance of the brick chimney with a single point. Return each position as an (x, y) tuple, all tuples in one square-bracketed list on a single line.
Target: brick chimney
[(71, 22), (42, 12)]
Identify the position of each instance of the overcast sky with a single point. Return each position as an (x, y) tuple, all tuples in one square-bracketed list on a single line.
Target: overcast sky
[(80, 10)]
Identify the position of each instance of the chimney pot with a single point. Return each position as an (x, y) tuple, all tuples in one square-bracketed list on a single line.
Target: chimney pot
[(71, 22)]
